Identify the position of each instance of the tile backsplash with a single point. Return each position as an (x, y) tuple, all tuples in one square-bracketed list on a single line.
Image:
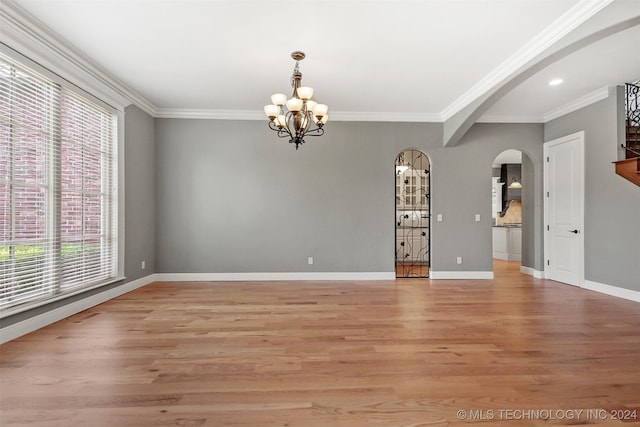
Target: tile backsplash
[(513, 215)]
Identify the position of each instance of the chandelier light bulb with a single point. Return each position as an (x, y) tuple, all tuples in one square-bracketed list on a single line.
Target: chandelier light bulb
[(305, 92), (320, 110), (294, 104), (278, 99), (271, 111)]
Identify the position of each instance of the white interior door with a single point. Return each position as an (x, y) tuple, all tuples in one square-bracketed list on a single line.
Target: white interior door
[(564, 209)]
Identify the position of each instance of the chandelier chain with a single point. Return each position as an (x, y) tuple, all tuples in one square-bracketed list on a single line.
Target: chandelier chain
[(296, 70)]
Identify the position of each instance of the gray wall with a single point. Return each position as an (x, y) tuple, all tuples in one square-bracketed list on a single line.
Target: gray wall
[(232, 197), (139, 210), (612, 204), (140, 194), (532, 213), (474, 156)]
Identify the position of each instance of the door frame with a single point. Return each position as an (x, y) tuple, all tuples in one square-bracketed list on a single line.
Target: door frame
[(579, 136)]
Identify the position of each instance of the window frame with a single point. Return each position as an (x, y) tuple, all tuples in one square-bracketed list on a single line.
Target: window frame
[(118, 175)]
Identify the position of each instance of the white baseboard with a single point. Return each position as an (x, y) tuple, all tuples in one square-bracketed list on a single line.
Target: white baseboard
[(612, 290), (19, 329), (250, 277), (532, 272), (466, 275)]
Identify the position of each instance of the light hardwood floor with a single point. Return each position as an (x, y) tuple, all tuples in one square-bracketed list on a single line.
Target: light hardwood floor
[(508, 351)]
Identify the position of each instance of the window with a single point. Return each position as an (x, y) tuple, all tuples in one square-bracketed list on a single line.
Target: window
[(58, 190)]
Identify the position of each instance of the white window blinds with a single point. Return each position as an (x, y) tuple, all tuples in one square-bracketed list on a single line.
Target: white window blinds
[(58, 221)]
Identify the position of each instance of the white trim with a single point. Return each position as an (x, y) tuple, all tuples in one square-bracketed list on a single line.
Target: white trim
[(39, 303), (364, 116), (31, 38), (19, 329), (190, 113), (489, 118), (464, 275), (576, 104), (612, 290), (532, 272), (336, 116), (579, 13), (249, 277)]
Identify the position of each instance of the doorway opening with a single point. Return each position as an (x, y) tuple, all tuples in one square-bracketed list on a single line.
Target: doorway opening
[(413, 214), (507, 204)]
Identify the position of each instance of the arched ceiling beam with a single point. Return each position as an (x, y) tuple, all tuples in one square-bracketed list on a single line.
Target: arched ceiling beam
[(457, 125)]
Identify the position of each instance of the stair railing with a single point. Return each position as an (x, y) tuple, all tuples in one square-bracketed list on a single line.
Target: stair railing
[(632, 119)]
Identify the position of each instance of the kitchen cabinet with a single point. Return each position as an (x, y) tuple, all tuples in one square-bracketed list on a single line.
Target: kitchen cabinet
[(507, 243), (412, 218), (496, 197), (509, 173), (412, 188), (412, 245)]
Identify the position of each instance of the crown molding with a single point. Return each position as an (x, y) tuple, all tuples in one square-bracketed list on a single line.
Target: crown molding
[(583, 101), (337, 116), (569, 107), (31, 38), (562, 26), (190, 113), (489, 118), (355, 116)]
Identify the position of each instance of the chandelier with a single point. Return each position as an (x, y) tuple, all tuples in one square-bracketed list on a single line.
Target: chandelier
[(302, 115)]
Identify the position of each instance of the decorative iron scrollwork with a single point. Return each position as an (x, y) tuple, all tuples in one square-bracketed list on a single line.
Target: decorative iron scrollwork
[(412, 214), (632, 119)]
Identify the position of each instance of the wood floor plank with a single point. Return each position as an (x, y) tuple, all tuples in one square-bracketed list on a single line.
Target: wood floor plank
[(512, 351)]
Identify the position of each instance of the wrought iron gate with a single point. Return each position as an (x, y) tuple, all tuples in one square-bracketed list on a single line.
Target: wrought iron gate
[(413, 214)]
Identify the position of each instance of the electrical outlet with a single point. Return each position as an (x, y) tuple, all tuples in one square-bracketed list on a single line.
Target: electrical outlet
[(310, 260), (477, 217), (439, 217), (143, 265), (459, 260)]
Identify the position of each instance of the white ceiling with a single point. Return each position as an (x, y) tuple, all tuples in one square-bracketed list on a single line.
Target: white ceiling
[(607, 62), (413, 58)]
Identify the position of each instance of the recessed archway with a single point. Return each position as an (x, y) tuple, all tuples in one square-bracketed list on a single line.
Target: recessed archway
[(507, 207), (413, 214)]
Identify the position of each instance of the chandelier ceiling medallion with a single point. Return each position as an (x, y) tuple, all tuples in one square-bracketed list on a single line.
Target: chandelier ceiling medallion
[(302, 115)]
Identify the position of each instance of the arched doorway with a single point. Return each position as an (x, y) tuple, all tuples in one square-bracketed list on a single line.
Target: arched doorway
[(413, 214), (507, 210)]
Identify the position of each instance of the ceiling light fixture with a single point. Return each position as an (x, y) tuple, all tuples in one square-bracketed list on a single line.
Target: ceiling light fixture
[(295, 122), (515, 183), (555, 82)]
